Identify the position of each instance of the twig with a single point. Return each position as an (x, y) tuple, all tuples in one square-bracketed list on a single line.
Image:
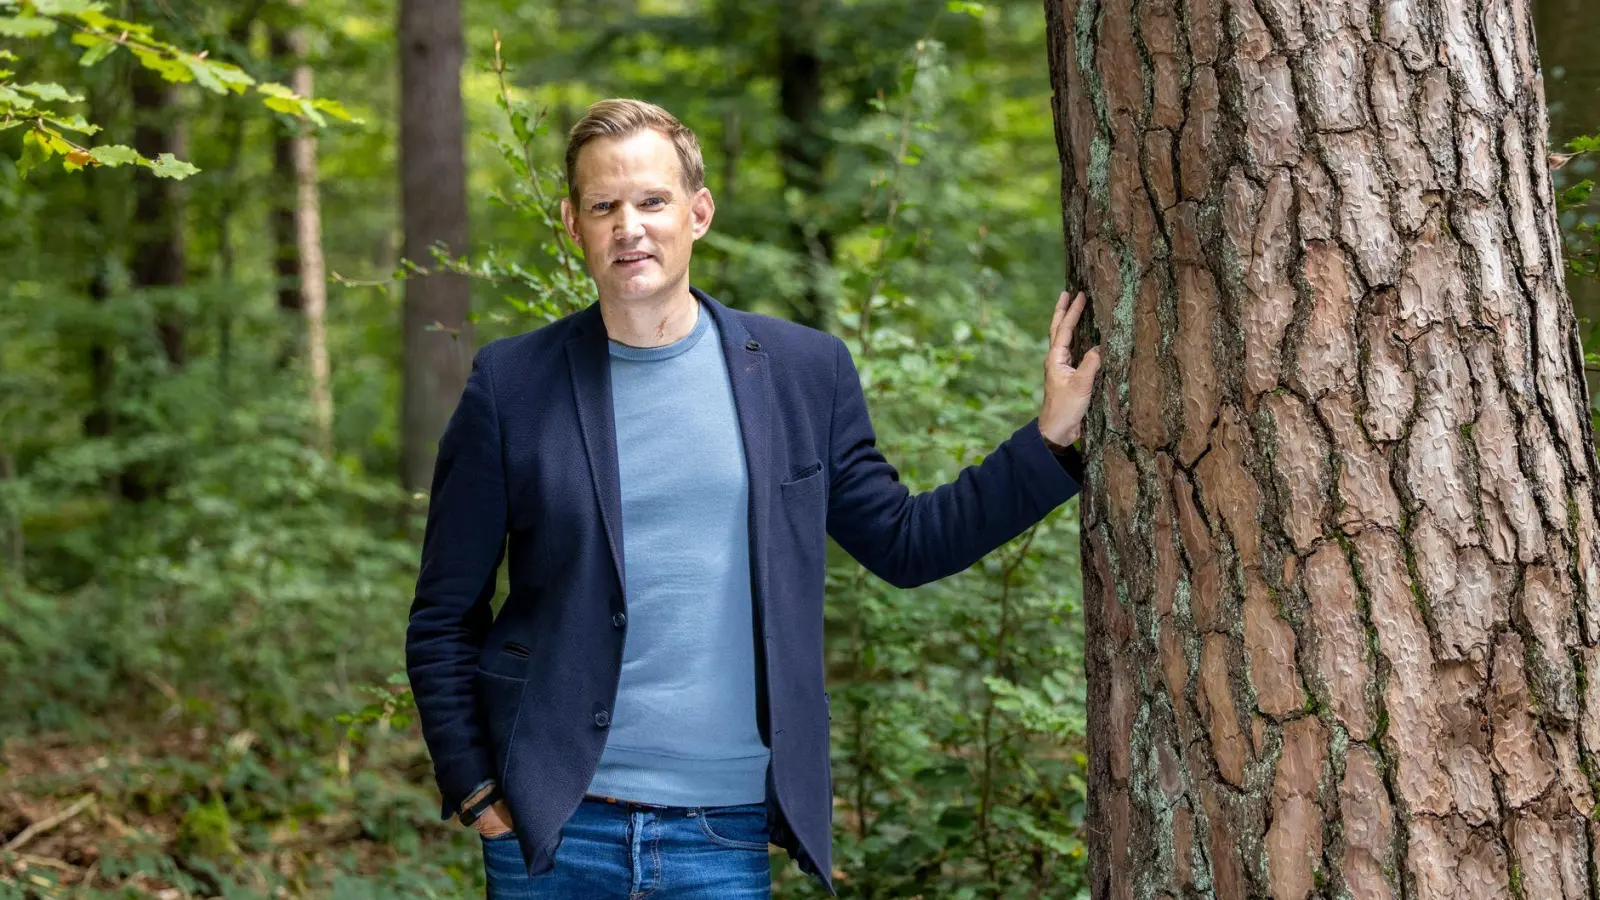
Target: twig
[(43, 825)]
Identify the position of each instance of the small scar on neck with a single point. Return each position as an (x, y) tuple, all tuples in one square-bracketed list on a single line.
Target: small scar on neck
[(661, 330)]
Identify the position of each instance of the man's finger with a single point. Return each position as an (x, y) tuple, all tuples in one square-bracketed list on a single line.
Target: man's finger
[(1055, 321), (1090, 363), (1069, 322)]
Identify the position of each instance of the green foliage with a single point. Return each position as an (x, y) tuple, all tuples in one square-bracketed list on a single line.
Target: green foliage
[(33, 105), (1581, 229)]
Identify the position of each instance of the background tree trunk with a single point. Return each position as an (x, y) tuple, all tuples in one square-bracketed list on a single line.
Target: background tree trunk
[(1339, 536), (158, 246), (803, 152), (433, 193), (286, 258), (313, 276)]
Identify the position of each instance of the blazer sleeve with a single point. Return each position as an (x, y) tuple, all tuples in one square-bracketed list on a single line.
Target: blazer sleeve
[(908, 540), (462, 546)]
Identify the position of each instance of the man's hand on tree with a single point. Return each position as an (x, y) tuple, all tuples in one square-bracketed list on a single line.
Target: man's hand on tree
[(1067, 388)]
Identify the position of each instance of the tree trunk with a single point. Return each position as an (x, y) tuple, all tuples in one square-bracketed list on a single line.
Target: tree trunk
[(313, 278), (803, 152), (1341, 571), (158, 242), (158, 260), (286, 256), (433, 193)]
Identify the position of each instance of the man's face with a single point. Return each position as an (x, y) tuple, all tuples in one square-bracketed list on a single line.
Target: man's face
[(632, 203)]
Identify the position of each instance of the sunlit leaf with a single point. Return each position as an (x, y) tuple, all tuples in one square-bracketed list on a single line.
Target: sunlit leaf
[(170, 69), (50, 92), (169, 166), (66, 7), (333, 108), (73, 123), (203, 73), (114, 155), (99, 48), (35, 152), (9, 97), (26, 26), (279, 104)]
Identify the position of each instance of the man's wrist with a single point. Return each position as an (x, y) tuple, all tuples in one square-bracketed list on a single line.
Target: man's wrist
[(483, 789), (478, 804), (1056, 448)]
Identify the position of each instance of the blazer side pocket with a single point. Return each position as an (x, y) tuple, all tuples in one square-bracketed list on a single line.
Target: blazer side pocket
[(807, 480)]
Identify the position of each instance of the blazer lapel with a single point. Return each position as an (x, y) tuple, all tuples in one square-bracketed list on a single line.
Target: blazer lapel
[(589, 358), (750, 374)]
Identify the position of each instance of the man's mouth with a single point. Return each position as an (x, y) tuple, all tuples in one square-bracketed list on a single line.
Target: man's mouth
[(632, 260)]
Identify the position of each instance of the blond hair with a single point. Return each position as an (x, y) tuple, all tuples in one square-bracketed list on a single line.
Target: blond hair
[(620, 117)]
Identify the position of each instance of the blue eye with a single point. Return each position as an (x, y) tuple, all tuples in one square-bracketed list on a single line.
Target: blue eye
[(655, 200), (601, 206)]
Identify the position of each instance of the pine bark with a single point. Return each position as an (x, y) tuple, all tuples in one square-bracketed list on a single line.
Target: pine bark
[(1340, 557), (433, 194)]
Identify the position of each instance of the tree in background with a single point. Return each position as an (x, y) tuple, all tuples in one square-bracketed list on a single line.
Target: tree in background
[(1341, 569), (433, 191)]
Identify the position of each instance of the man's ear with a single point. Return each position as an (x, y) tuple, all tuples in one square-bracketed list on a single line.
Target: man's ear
[(569, 220), (701, 210)]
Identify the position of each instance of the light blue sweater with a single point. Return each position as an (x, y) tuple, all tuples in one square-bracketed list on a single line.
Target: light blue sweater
[(684, 728)]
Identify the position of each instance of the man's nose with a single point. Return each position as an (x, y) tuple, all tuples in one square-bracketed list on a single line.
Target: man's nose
[(628, 224)]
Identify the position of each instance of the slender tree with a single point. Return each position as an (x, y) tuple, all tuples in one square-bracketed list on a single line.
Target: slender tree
[(433, 193), (311, 271), (1341, 567)]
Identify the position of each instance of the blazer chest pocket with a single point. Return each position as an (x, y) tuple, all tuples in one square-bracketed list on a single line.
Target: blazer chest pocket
[(802, 481)]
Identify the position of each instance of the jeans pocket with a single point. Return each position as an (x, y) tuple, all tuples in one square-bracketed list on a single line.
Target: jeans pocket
[(508, 834), (735, 827)]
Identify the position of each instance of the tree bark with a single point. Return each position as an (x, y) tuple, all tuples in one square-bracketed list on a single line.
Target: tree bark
[(312, 274), (1341, 568), (438, 338)]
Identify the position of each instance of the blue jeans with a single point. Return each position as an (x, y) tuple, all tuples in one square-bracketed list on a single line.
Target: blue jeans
[(633, 852)]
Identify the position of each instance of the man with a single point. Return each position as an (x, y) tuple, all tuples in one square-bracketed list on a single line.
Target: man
[(647, 711)]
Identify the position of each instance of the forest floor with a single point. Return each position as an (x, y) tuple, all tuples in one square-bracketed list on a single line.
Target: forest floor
[(157, 816)]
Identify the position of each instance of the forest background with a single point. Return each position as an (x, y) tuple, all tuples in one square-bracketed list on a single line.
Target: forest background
[(209, 489)]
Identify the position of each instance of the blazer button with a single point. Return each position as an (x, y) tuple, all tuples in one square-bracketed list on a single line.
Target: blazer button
[(752, 344), (619, 620), (602, 718)]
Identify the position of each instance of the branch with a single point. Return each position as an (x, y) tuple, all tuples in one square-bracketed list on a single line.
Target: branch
[(43, 825)]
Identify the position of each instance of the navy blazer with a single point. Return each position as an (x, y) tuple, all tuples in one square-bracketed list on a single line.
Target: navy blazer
[(527, 472)]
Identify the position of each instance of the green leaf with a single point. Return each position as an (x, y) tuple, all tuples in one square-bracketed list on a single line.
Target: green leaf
[(278, 104), (99, 48), (201, 70), (169, 166), (114, 155), (974, 10), (50, 92), (9, 97), (1586, 144), (26, 26), (35, 152), (73, 123), (67, 7), (333, 108), (170, 69)]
